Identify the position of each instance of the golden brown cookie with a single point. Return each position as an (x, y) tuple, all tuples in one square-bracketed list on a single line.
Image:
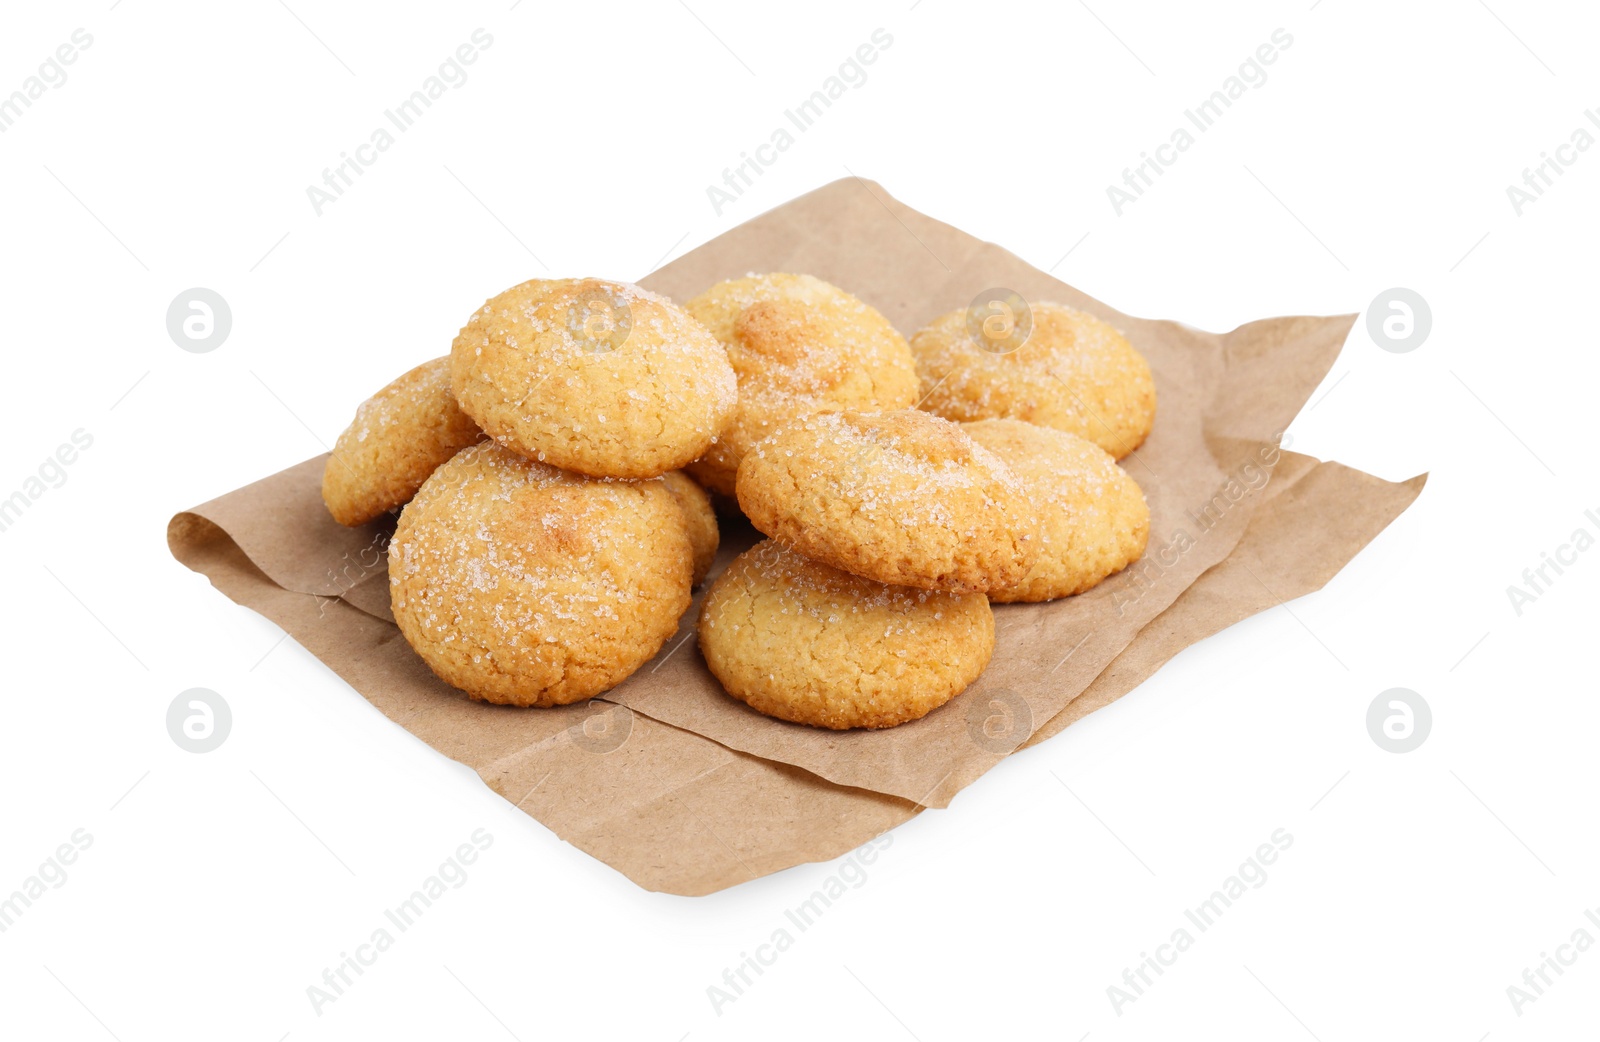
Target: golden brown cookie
[(699, 518), (1093, 520), (1073, 372), (901, 497), (799, 346), (526, 585), (398, 437), (602, 378), (803, 642)]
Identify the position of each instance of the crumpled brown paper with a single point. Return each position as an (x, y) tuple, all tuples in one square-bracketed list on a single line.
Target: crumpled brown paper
[(688, 791)]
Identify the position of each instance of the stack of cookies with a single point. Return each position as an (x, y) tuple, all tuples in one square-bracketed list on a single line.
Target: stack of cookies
[(554, 473)]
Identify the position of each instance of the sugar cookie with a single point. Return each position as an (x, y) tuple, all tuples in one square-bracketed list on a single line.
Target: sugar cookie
[(1093, 520), (1072, 372), (398, 437), (804, 642), (601, 378), (526, 585), (700, 519), (901, 497)]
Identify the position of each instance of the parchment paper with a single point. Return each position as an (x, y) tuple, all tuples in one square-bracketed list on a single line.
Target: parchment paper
[(686, 790)]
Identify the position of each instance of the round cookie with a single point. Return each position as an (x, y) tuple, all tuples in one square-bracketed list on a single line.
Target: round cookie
[(803, 642), (901, 497), (601, 378), (398, 437), (799, 346), (698, 517), (526, 585), (1093, 520), (1073, 372)]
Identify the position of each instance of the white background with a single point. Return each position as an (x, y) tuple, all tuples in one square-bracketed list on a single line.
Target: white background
[(1377, 154)]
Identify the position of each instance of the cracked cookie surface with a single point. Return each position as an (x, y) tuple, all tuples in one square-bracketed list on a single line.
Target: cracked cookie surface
[(900, 497), (398, 437), (805, 642), (526, 585), (1093, 519), (602, 378), (1073, 372)]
